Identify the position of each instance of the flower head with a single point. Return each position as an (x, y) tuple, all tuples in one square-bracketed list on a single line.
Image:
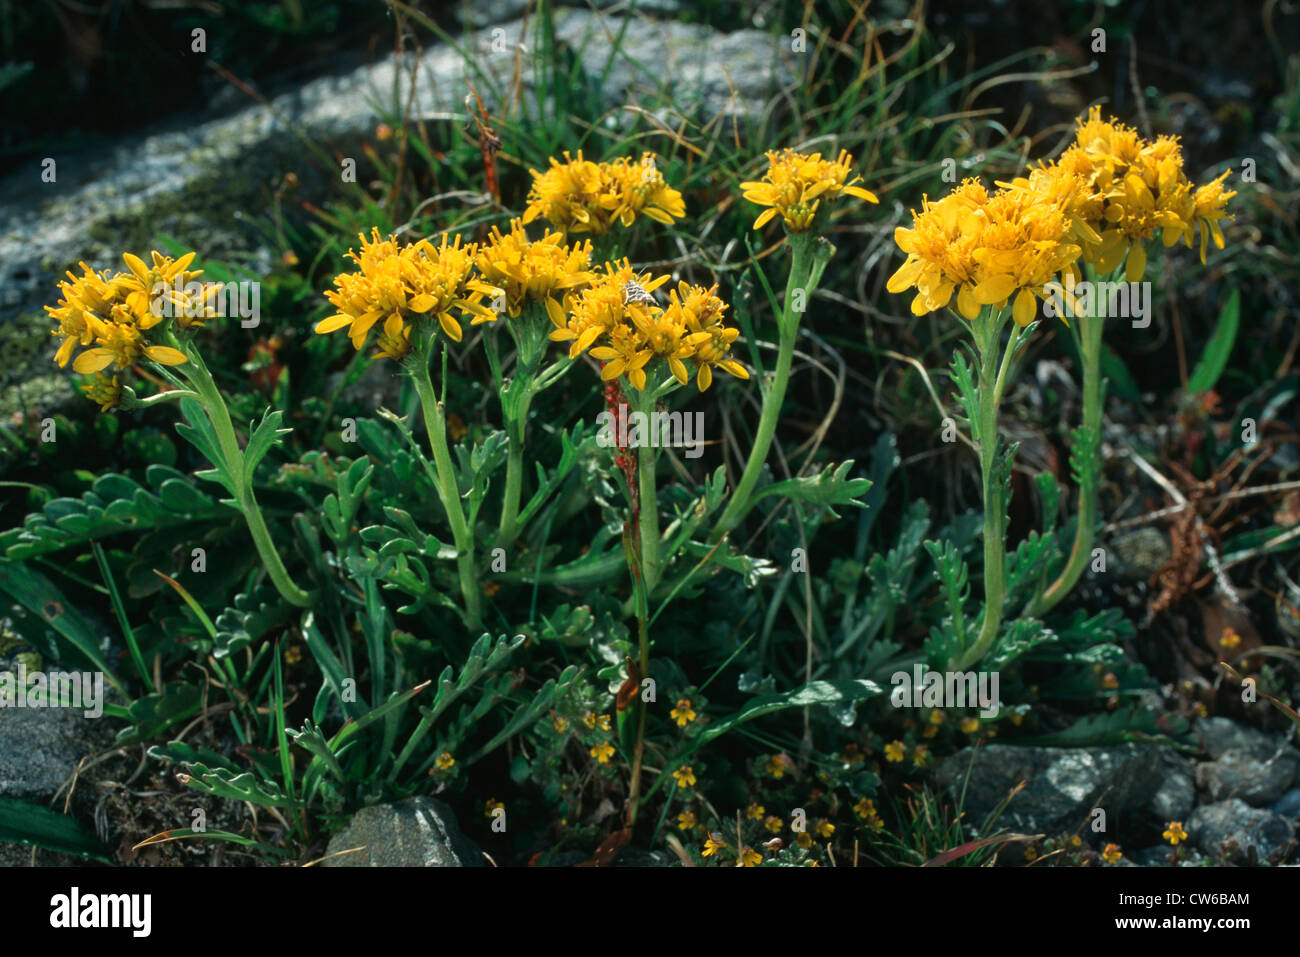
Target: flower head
[(541, 270), (579, 196), (1174, 833), (796, 183), (409, 284), (683, 714)]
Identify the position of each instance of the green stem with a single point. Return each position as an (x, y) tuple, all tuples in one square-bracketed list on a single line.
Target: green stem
[(809, 256), (992, 380), (1089, 339), (516, 427), (215, 406), (649, 520), (435, 423), (638, 752)]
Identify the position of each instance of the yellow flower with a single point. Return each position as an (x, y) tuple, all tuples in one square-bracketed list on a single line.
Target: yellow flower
[(536, 270), (921, 755), (749, 858), (445, 761), (602, 752), (755, 811), (1111, 853), (1229, 639), (589, 719), (686, 821), (579, 196), (602, 306), (683, 714), (777, 765), (795, 184), (491, 806), (937, 717), (803, 839), (560, 723), (685, 777), (894, 752), (825, 828), (409, 284), (773, 823), (970, 725), (603, 722), (1174, 833), (713, 845)]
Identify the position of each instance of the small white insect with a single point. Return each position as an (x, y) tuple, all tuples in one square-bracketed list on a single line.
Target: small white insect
[(632, 292)]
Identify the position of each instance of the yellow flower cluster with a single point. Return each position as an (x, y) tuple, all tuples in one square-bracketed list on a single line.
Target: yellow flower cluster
[(1107, 195), (579, 196), (618, 316), (537, 270), (403, 285), (110, 316), (986, 248), (796, 183), (1119, 189)]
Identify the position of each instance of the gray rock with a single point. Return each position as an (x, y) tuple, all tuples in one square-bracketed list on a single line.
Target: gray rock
[(1225, 830), (1288, 805), (1255, 780), (417, 832), (1220, 736), (40, 748), (1176, 796), (1062, 785)]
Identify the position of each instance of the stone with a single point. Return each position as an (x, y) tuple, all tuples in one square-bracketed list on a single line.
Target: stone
[(1288, 805), (1062, 785), (40, 748), (1225, 830), (1221, 735), (416, 832), (1176, 796), (1257, 781)]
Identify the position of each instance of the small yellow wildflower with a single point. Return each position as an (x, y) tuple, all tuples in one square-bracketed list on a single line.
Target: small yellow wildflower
[(773, 823), (292, 655), (749, 858), (755, 811), (1111, 853), (560, 723), (825, 828), (491, 806), (970, 725), (930, 731), (685, 777), (713, 845), (445, 761), (777, 765), (803, 839), (1229, 639), (937, 717), (602, 752), (796, 183), (1174, 833), (686, 821), (921, 755), (603, 722), (683, 714), (894, 752), (589, 719)]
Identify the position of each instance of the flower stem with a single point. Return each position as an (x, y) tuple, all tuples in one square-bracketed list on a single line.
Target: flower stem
[(1089, 339), (516, 426), (809, 256), (215, 406), (990, 384), (435, 422)]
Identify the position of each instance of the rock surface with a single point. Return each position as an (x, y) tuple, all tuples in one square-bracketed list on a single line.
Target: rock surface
[(1062, 785), (1255, 780), (1226, 830), (417, 832)]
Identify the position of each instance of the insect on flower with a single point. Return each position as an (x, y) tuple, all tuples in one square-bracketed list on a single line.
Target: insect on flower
[(632, 292)]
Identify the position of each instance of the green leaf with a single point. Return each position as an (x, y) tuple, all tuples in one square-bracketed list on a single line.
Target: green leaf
[(261, 440), (33, 825), (1215, 357), (827, 488), (813, 693)]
